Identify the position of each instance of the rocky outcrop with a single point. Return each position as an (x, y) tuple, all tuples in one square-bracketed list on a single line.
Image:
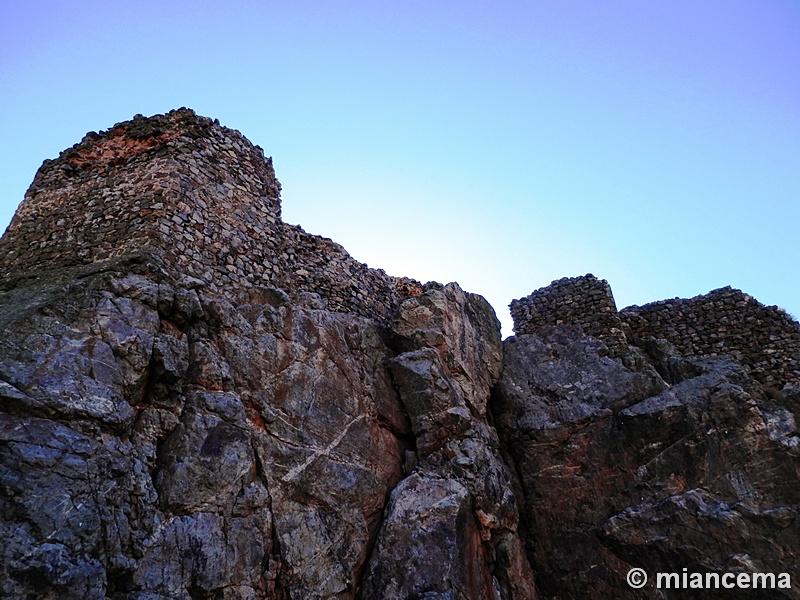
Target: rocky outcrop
[(451, 529), (199, 401), (621, 468), (164, 442)]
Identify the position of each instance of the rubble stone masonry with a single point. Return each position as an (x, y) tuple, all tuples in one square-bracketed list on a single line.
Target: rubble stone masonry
[(198, 195), (205, 200), (765, 339), (586, 301)]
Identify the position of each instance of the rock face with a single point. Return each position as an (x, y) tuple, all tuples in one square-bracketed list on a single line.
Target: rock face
[(199, 401), (451, 527), (160, 441), (620, 468)]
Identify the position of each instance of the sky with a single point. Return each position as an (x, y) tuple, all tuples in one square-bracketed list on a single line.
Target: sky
[(501, 145)]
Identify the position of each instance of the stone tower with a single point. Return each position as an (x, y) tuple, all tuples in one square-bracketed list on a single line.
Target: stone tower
[(197, 195)]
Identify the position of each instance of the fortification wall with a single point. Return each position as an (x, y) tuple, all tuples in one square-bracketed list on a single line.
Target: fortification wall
[(586, 301), (200, 196), (765, 339)]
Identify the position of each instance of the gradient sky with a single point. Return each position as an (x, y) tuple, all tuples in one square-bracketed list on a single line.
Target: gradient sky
[(498, 144)]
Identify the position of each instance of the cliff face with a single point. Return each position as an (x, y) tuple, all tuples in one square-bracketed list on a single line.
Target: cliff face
[(200, 401)]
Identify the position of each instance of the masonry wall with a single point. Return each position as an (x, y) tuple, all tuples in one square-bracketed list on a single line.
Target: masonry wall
[(725, 321), (199, 195), (765, 339), (586, 301), (206, 201)]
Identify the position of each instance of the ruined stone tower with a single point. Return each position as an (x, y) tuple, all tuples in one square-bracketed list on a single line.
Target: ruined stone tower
[(764, 339), (198, 196)]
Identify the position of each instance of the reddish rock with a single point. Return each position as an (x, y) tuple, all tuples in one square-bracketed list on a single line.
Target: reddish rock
[(618, 475)]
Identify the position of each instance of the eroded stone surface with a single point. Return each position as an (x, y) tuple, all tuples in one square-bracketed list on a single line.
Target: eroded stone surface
[(446, 521), (199, 401), (189, 447), (620, 470)]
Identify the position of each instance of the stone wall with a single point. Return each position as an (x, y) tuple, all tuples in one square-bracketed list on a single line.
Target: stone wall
[(200, 196), (765, 339), (586, 301)]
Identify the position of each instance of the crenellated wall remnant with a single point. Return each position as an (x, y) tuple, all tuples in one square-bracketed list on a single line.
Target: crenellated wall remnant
[(764, 339), (586, 301), (198, 195)]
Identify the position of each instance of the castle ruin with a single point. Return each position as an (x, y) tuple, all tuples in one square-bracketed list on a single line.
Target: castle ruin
[(764, 339), (205, 201), (198, 196)]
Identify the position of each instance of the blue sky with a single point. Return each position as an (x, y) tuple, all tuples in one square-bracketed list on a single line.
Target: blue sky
[(498, 144)]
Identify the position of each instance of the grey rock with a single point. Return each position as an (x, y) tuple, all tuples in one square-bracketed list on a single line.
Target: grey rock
[(448, 522), (429, 545), (618, 472)]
